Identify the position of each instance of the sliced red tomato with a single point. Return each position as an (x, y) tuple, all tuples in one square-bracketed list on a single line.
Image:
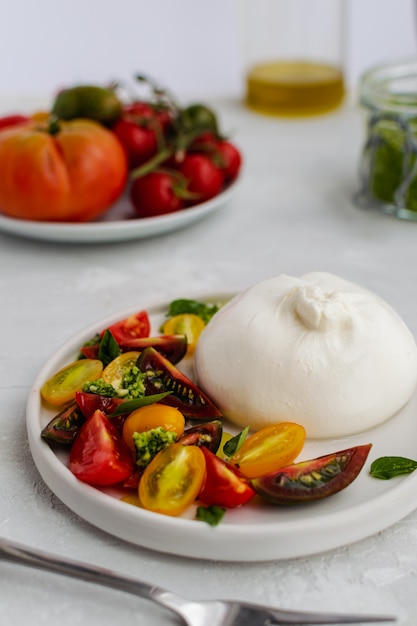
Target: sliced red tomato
[(132, 327), (161, 376), (99, 456), (172, 480), (313, 479), (224, 485), (269, 449), (90, 402)]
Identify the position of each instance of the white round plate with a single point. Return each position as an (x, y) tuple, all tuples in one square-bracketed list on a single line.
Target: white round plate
[(118, 224), (257, 531)]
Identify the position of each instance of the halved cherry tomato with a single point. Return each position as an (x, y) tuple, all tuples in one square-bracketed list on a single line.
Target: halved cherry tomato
[(161, 376), (173, 479), (224, 485), (113, 372), (208, 435), (313, 479), (187, 324), (269, 449), (99, 456), (64, 427), (132, 327), (61, 388), (152, 416)]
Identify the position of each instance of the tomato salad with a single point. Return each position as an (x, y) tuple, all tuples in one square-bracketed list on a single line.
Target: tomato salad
[(131, 418)]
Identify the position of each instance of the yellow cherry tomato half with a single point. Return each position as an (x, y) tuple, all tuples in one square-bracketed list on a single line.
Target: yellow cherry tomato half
[(113, 372), (187, 324), (152, 416), (61, 388), (172, 480), (269, 449)]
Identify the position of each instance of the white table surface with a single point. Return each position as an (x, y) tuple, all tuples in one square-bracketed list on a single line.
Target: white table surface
[(293, 213)]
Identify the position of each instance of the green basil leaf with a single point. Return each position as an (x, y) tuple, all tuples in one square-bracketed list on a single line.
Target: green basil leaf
[(387, 467), (180, 306), (131, 405), (235, 443), (212, 514), (109, 348)]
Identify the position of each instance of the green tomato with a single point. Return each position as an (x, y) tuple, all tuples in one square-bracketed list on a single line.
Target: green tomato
[(88, 101), (200, 118)]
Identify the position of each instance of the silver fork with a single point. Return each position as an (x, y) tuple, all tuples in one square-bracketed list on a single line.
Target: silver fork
[(192, 613)]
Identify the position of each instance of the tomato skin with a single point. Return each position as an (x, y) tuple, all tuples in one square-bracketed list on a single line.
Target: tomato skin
[(88, 403), (269, 449), (152, 416), (224, 485), (172, 347), (204, 178), (99, 456), (73, 175), (13, 120), (139, 141), (113, 372), (162, 375), (188, 324), (172, 480), (230, 160), (132, 327), (314, 479), (62, 386), (154, 194), (208, 435)]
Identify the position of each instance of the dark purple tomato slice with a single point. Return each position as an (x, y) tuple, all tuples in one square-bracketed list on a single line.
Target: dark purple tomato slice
[(64, 427), (313, 479), (208, 435), (162, 376), (172, 347)]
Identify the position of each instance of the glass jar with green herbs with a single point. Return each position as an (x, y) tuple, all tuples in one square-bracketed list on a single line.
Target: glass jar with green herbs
[(388, 169)]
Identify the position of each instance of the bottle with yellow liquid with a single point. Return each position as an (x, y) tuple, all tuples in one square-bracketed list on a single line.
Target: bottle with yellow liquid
[(293, 55)]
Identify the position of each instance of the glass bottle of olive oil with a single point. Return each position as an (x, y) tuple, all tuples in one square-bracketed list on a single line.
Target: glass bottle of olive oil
[(293, 55)]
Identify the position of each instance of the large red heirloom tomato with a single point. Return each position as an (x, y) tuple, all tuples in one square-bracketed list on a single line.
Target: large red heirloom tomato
[(73, 171)]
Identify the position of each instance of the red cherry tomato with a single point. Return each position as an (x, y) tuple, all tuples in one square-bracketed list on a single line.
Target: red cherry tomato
[(155, 194), (13, 120), (142, 112), (132, 327), (139, 141), (204, 178), (99, 456), (224, 485), (229, 160)]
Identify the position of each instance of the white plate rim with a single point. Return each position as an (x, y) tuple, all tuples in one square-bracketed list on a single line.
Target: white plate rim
[(228, 541), (110, 230)]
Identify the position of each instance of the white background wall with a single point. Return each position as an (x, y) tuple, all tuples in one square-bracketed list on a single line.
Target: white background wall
[(189, 45)]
